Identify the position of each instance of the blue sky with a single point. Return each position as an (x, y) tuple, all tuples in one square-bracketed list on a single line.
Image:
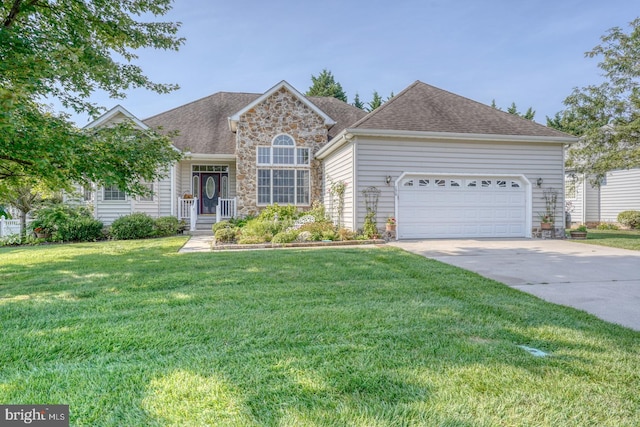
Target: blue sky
[(530, 53)]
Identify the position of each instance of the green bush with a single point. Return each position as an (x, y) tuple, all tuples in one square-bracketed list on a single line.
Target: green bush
[(287, 236), (67, 223), (320, 230), (134, 226), (241, 222), (250, 240), (283, 213), (82, 229), (226, 234), (222, 224), (167, 226), (607, 226), (629, 219)]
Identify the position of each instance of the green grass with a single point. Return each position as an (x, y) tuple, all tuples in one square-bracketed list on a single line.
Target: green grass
[(623, 239), (132, 333)]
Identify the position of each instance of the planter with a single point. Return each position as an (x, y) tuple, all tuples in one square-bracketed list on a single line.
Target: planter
[(578, 235), (42, 235), (546, 226), (391, 227)]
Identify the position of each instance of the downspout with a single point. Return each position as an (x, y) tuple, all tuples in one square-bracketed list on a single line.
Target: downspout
[(172, 177)]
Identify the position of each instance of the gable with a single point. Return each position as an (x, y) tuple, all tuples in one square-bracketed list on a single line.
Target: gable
[(116, 115), (283, 85)]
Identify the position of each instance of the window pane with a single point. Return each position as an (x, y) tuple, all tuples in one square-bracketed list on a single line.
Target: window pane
[(264, 155), (283, 140), (283, 186), (302, 187), (264, 186), (112, 192), (282, 156), (303, 156)]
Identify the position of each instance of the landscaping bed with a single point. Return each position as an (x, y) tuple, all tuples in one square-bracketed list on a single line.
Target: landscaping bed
[(331, 243)]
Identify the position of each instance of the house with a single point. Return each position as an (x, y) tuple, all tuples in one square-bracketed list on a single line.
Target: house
[(618, 191), (443, 165)]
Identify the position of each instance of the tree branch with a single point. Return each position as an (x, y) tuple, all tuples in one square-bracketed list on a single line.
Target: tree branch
[(13, 13)]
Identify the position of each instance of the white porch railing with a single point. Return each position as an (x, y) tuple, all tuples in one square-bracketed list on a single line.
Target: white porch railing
[(184, 208), (188, 210), (226, 209)]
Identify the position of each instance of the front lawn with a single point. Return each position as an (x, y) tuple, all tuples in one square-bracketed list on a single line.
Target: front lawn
[(624, 239), (132, 333)]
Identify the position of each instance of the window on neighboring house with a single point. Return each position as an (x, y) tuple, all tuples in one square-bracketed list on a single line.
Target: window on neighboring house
[(285, 179), (112, 192), (147, 197)]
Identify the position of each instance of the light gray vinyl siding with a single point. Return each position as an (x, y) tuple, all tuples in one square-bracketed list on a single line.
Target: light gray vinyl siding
[(381, 157), (591, 203), (619, 192), (339, 167), (110, 210)]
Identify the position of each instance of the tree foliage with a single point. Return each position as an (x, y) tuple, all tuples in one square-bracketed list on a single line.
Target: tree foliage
[(357, 102), (513, 109), (606, 117), (375, 102), (326, 85), (67, 49)]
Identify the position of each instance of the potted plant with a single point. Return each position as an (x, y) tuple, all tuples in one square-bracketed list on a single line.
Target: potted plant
[(546, 222), (579, 233), (391, 224)]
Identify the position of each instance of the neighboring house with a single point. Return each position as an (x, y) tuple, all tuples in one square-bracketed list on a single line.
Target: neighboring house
[(619, 191), (444, 165)]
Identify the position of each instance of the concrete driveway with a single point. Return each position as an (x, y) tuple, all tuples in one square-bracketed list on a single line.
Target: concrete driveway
[(602, 281)]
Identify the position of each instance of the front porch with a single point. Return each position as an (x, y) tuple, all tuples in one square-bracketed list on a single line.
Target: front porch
[(189, 210)]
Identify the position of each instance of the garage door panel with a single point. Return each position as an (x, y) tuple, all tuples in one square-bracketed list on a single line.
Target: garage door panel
[(493, 207)]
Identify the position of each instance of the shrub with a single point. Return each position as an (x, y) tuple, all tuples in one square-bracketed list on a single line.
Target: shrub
[(607, 226), (222, 224), (369, 229), (82, 229), (226, 234), (134, 226), (282, 213), (346, 234), (241, 222), (68, 223), (629, 219), (167, 226), (287, 236), (250, 240), (320, 230), (263, 230)]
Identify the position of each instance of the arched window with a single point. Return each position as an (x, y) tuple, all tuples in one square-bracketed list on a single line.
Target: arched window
[(283, 172)]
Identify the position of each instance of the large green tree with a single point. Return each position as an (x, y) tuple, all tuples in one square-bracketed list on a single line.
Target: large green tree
[(606, 117), (325, 85), (67, 49)]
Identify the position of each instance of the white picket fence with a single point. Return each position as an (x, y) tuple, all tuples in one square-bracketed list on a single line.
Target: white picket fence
[(10, 226)]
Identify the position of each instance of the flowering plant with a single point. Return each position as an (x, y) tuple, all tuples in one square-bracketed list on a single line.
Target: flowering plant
[(391, 220)]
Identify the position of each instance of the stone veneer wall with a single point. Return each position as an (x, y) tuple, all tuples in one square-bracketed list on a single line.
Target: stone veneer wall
[(282, 112)]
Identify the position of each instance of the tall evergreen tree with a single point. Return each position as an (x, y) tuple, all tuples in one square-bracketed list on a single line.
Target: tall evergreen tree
[(375, 102), (326, 85), (357, 102)]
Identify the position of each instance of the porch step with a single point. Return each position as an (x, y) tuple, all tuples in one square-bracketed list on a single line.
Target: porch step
[(205, 222)]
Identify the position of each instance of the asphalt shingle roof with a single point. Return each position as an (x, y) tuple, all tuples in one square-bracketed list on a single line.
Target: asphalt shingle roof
[(203, 125), (424, 108)]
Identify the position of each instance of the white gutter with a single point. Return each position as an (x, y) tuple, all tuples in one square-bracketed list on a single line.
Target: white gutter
[(347, 134)]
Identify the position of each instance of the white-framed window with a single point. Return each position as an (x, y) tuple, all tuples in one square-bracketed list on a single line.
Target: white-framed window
[(113, 193), (283, 152), (284, 177)]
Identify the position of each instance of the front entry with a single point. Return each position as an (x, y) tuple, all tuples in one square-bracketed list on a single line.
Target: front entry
[(209, 183), (210, 192)]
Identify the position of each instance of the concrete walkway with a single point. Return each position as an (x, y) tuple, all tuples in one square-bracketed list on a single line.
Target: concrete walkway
[(199, 242), (602, 281)]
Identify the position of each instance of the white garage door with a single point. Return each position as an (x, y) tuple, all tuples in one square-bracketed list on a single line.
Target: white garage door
[(449, 206)]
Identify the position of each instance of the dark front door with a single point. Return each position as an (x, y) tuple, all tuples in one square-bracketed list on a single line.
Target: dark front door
[(210, 191)]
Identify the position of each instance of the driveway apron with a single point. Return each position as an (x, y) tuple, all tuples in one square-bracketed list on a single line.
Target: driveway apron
[(602, 281)]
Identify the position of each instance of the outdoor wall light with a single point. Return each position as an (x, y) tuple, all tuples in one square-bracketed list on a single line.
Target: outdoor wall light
[(387, 179), (539, 182)]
